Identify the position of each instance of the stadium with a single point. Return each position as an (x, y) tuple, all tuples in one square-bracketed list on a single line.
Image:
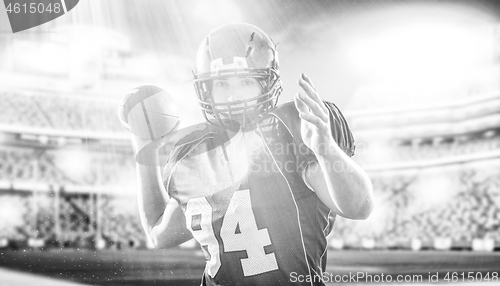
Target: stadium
[(422, 98)]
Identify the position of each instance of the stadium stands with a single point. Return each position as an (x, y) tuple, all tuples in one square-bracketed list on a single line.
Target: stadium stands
[(468, 212), (58, 111), (91, 181), (37, 165), (423, 150)]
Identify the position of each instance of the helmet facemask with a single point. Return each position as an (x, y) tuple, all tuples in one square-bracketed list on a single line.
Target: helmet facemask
[(242, 113), (246, 52)]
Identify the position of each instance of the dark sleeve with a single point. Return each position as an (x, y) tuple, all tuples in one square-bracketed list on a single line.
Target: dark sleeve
[(340, 130), (341, 133)]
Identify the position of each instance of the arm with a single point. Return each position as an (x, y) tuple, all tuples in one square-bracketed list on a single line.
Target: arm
[(162, 218), (337, 180), (341, 184)]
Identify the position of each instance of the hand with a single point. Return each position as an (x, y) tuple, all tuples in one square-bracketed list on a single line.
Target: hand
[(139, 144), (315, 123), (150, 114)]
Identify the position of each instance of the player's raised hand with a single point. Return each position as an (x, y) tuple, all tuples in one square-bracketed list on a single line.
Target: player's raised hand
[(315, 123)]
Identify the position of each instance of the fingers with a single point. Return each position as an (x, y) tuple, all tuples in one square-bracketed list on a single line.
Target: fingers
[(312, 119), (306, 113), (307, 85), (308, 80), (313, 106)]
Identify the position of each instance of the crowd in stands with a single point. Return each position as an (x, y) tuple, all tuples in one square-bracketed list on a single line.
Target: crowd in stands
[(115, 232), (83, 220), (428, 149), (76, 219), (469, 210), (55, 111), (17, 165), (453, 147), (36, 165), (390, 96)]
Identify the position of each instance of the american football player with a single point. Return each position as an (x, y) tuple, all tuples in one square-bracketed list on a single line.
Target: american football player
[(259, 187)]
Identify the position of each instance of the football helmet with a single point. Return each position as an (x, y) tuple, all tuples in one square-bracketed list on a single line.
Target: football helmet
[(237, 50)]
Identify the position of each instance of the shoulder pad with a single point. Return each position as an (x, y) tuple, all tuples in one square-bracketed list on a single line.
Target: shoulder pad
[(195, 140)]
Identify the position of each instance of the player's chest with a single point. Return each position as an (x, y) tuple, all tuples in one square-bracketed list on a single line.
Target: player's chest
[(245, 156)]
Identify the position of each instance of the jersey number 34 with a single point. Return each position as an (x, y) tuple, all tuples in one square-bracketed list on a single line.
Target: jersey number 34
[(239, 232)]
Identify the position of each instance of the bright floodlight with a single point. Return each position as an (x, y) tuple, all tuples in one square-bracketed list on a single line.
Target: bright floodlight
[(13, 210), (423, 54), (74, 163)]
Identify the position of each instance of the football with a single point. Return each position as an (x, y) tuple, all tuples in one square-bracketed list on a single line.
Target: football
[(148, 112)]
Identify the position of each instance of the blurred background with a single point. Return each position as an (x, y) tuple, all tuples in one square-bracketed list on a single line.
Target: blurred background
[(419, 82)]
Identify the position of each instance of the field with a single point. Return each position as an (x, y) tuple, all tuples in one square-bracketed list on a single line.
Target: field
[(184, 267)]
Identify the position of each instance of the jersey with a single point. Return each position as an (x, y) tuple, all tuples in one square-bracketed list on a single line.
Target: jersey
[(246, 202)]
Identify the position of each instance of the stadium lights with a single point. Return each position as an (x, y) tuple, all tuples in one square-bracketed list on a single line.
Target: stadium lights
[(61, 141), (423, 54), (100, 243), (43, 139), (36, 242), (487, 244), (416, 244), (75, 163), (4, 242), (442, 243), (368, 243), (489, 133), (13, 210)]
